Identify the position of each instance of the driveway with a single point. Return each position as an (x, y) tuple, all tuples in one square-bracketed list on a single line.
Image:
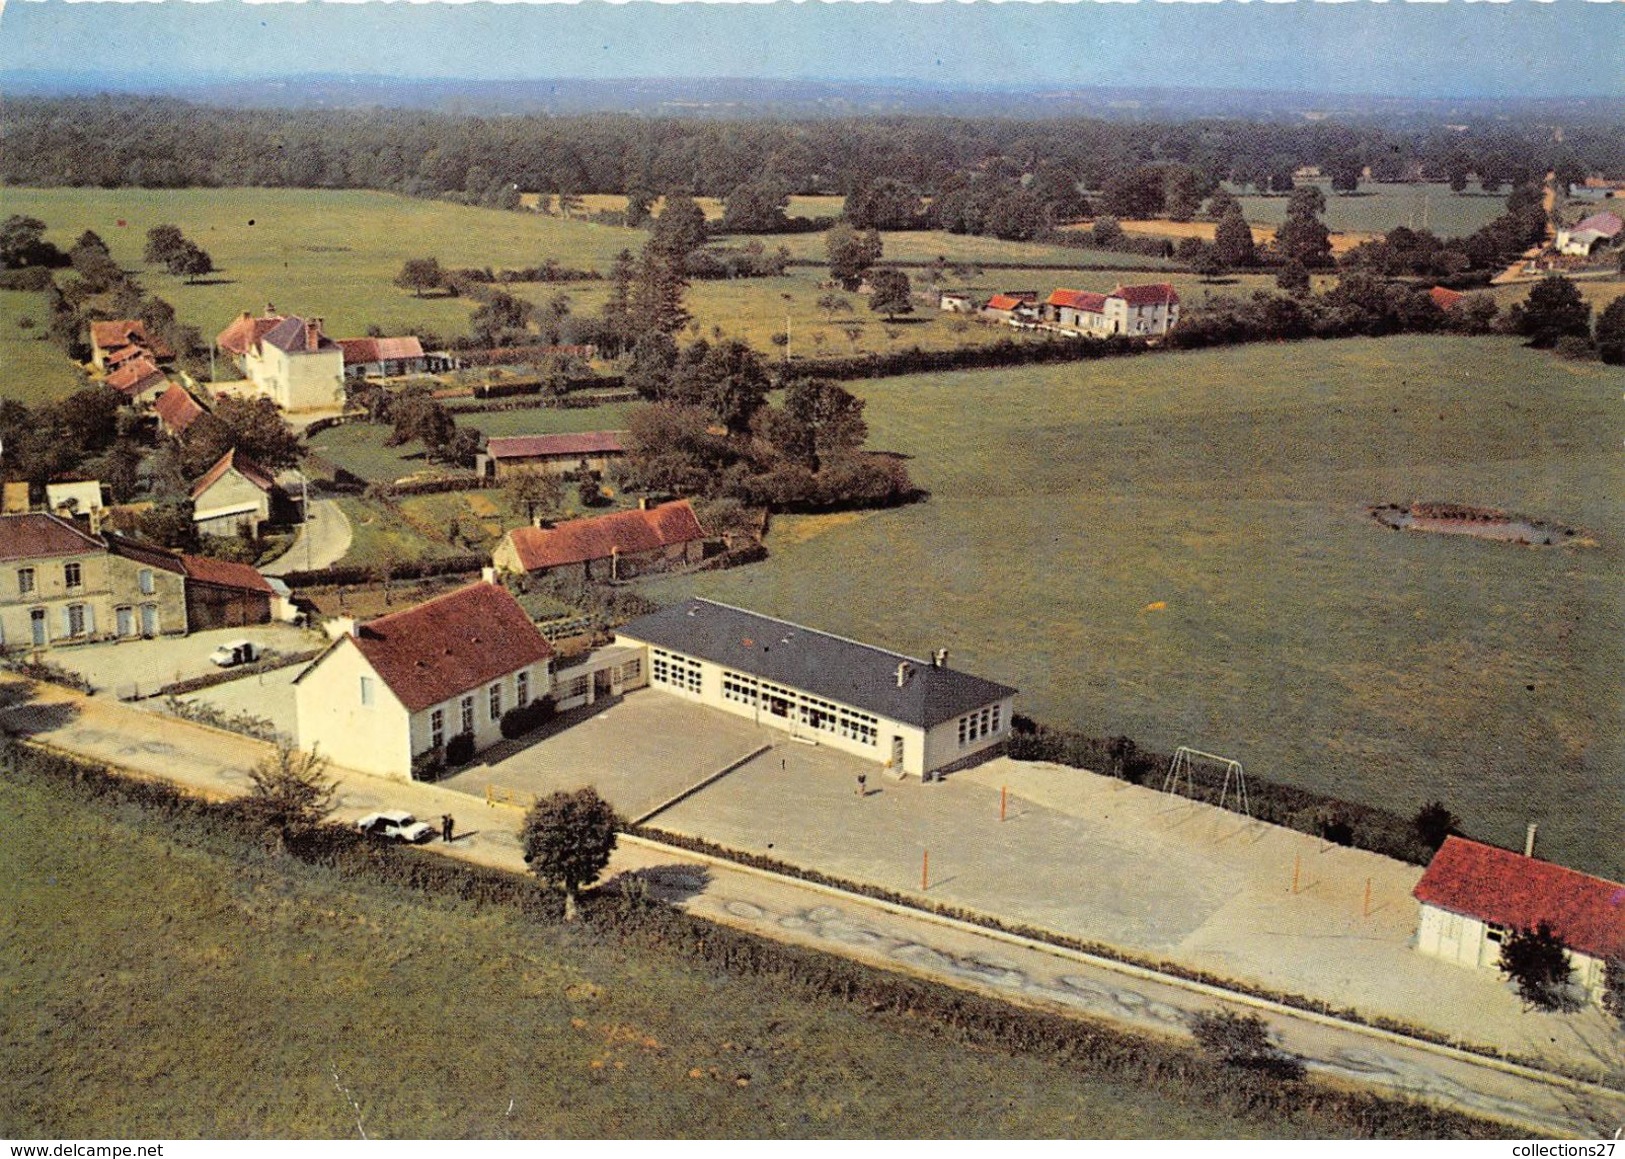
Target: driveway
[(130, 668), (320, 542)]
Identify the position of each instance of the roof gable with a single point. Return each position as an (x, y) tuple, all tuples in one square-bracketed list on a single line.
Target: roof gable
[(1496, 885), (824, 665), (177, 409), (135, 376), (624, 532), (242, 465), (450, 645), (246, 330)]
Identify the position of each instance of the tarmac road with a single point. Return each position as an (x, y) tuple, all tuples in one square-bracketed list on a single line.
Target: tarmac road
[(329, 537)]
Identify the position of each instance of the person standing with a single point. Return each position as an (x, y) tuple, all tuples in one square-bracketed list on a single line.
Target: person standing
[(445, 827)]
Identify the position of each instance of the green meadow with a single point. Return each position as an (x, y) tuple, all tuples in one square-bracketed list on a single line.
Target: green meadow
[(1377, 208), (1177, 547), (33, 369)]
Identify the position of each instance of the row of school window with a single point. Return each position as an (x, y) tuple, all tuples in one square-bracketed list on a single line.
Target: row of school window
[(678, 671), (465, 706), (987, 722), (821, 715), (73, 577)]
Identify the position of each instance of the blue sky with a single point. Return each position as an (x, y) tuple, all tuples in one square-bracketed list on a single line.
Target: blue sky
[(1454, 48)]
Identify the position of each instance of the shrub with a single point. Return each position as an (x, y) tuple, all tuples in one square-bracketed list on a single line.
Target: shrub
[(1434, 823), (524, 718), (1537, 961), (460, 749), (1243, 1040)]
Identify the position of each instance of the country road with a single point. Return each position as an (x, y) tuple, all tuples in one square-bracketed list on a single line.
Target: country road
[(214, 764), (321, 541)]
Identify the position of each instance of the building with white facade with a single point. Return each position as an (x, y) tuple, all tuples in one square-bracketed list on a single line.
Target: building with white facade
[(917, 717), (393, 692), (1474, 895)]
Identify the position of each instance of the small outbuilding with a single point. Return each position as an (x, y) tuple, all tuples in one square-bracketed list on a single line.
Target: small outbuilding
[(586, 452), (607, 547)]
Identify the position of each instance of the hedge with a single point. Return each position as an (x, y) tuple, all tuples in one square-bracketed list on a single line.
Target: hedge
[(1004, 352), (352, 574)]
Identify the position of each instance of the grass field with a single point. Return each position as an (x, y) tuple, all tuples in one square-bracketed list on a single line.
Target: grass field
[(963, 249), (33, 369), (1376, 208), (1295, 634), (165, 982)]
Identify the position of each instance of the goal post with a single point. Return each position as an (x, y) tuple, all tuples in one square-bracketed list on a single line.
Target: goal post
[(1182, 770)]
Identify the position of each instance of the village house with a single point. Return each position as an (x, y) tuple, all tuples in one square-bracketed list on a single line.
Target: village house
[(400, 687), (148, 590), (383, 357), (589, 452), (222, 594), (78, 497), (1076, 311), (607, 547), (914, 717), (54, 582), (236, 495), (113, 343), (288, 359), (139, 380), (1012, 306), (177, 410), (1142, 311), (1582, 239), (1474, 895)]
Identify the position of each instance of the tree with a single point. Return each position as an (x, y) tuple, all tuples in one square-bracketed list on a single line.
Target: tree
[(832, 304), (1302, 237), (568, 838), (290, 790), (890, 293), (1433, 823), (755, 207), (255, 426), (619, 320), (1242, 1040), (728, 379), (1611, 333), (190, 262), (419, 274), (1554, 309), (883, 204), (1345, 171), (419, 415), (638, 203), (1613, 988), (1106, 232), (23, 244), (534, 491), (851, 253), (163, 243), (1537, 961), (1182, 192), (1293, 279), (817, 421), (680, 229), (657, 294), (499, 317), (1233, 239)]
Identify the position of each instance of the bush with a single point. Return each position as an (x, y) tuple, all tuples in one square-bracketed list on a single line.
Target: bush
[(518, 721), (1538, 963), (460, 749), (1243, 1040)]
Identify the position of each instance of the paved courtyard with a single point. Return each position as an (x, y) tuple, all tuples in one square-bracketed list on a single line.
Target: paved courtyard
[(143, 666), (638, 751)]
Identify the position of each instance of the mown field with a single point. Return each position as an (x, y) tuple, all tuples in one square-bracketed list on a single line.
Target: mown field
[(33, 369), (1377, 208), (164, 981), (1176, 547)]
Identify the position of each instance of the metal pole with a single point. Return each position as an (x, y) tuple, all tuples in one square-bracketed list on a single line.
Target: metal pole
[(304, 491)]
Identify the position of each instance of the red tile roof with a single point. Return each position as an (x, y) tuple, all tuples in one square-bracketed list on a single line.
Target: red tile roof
[(36, 535), (145, 553), (1078, 300), (1154, 294), (122, 332), (246, 331), (1445, 298), (177, 409), (539, 446), (242, 464), (222, 574), (136, 376), (628, 532), (123, 354), (450, 645), (1509, 889), (1004, 302), (360, 350)]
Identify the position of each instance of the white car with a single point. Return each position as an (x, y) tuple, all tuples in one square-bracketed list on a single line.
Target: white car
[(395, 825), (235, 653)]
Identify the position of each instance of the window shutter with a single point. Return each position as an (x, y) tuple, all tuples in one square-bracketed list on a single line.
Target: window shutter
[(67, 623), (90, 619)]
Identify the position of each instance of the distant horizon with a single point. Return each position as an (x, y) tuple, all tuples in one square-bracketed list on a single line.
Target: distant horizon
[(1441, 51)]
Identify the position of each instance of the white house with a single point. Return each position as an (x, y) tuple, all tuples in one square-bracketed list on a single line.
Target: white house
[(233, 494), (913, 716), (1473, 895), (1142, 311), (1598, 229), (289, 359), (400, 687)]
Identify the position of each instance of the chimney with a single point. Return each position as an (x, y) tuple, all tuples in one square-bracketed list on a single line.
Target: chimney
[(903, 673), (313, 334), (488, 575), (270, 310), (643, 503), (939, 658), (1529, 840), (340, 626)]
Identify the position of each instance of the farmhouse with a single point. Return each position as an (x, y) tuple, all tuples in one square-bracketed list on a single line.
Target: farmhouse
[(177, 410), (402, 686), (1474, 895), (1142, 311), (1600, 229), (1012, 306), (288, 359), (113, 343), (139, 380), (588, 451), (234, 494), (916, 717), (616, 546), (1076, 310)]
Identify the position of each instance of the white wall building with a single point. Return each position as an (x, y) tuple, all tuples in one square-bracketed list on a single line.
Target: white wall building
[(914, 716), (399, 688)]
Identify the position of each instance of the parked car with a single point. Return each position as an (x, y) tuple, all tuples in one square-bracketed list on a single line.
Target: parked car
[(395, 825), (235, 653)]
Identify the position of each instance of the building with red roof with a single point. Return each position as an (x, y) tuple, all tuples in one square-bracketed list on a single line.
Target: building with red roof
[(1444, 298), (287, 358), (234, 494), (614, 546), (177, 410), (1077, 310), (138, 379), (383, 357), (1473, 895), (591, 452), (222, 594), (397, 689), (118, 340), (1146, 311), (1012, 306)]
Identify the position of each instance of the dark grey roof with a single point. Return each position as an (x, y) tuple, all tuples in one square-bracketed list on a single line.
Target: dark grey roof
[(816, 662), (288, 335)]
